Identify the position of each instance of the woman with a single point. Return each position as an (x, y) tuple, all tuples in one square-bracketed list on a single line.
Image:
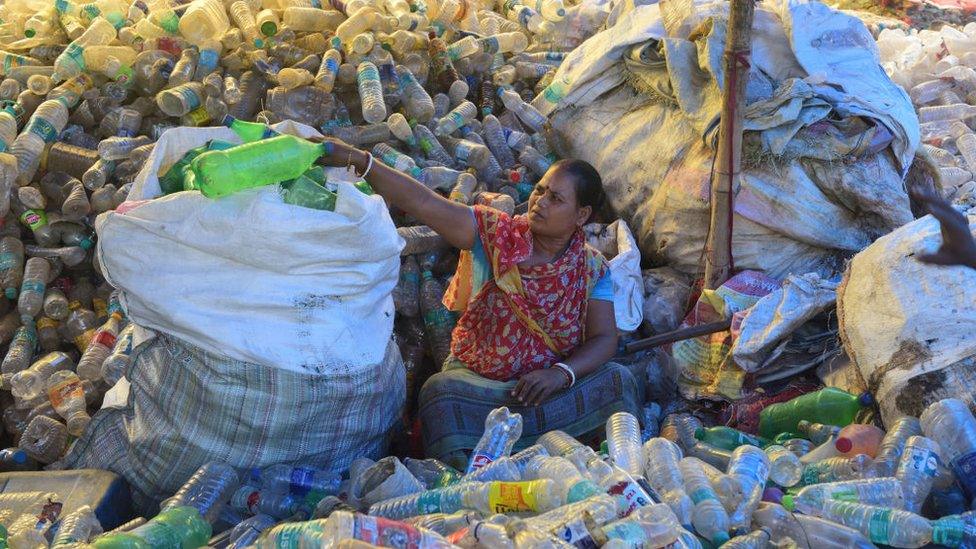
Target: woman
[(537, 327)]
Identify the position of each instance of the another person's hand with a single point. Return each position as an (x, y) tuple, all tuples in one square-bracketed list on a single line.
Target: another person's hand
[(958, 246), (536, 386)]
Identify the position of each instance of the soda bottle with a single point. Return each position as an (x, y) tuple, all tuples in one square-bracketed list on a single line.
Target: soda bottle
[(502, 431), (16, 459), (893, 443), (206, 491), (172, 527), (623, 439), (68, 399), (859, 438), (299, 481), (728, 438), (219, 173), (91, 362), (661, 458), (31, 382), (309, 194), (11, 265), (784, 467), (44, 439), (709, 517), (829, 405), (406, 294), (951, 425), (818, 433), (917, 470)]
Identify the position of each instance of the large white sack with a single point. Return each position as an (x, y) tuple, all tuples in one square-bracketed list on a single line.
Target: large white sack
[(617, 244), (910, 327), (250, 277), (824, 152)]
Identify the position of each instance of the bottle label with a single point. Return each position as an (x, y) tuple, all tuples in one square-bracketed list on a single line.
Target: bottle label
[(82, 341), (921, 460), (104, 338), (489, 44), (701, 495), (878, 525), (26, 336), (43, 129), (845, 494), (332, 65), (208, 60), (629, 496), (301, 480), (34, 219), (190, 97), (61, 6), (965, 469), (440, 317), (385, 532), (198, 117), (429, 502), (576, 533), (44, 322), (512, 497), (36, 286), (66, 391), (555, 92), (7, 260), (100, 307)]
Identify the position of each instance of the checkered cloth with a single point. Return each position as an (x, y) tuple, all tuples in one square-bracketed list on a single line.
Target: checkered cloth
[(187, 406)]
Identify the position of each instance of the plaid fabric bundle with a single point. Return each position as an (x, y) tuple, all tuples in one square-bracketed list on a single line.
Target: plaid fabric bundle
[(187, 406)]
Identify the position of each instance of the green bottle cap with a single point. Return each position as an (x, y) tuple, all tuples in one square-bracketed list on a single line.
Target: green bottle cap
[(11, 293), (788, 502), (700, 433)]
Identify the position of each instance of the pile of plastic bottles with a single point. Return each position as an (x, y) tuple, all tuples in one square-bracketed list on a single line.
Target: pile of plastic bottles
[(451, 92), (938, 70)]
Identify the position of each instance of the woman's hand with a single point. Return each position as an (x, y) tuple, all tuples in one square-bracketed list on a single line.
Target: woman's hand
[(341, 153), (536, 386), (958, 246)]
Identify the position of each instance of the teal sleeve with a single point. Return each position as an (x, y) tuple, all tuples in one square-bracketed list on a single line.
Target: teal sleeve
[(603, 289)]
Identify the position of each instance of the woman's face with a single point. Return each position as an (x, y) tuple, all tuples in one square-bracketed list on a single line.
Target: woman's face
[(553, 210)]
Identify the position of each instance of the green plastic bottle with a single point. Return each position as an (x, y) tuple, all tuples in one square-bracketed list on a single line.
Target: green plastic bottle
[(179, 527), (248, 131), (828, 405), (784, 436), (309, 194), (272, 160), (172, 181), (728, 438)]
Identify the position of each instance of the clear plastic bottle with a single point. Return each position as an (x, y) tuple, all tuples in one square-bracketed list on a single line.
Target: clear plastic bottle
[(11, 265), (817, 433), (502, 430), (80, 326), (661, 458), (102, 343), (709, 517), (98, 175), (749, 468), (68, 398), (47, 334), (874, 491), (917, 469), (812, 532), (76, 205), (826, 450), (716, 457), (247, 532), (623, 441), (43, 127), (31, 383), (115, 365), (525, 112), (952, 426), (838, 468), (44, 439), (371, 93), (328, 70), (250, 499), (307, 19), (181, 99), (572, 486), (571, 523), (893, 443), (495, 139), (438, 321), (883, 525), (456, 118), (299, 481), (20, 352), (207, 490), (117, 148), (463, 190), (31, 299), (784, 467), (502, 469), (406, 294), (396, 159)]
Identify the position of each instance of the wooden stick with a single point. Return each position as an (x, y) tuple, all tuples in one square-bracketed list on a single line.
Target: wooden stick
[(677, 335), (738, 47)]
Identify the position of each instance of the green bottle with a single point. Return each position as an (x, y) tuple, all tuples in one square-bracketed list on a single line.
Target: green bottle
[(784, 436), (316, 173), (309, 194), (728, 438), (248, 131), (176, 528), (829, 405), (220, 173), (172, 181)]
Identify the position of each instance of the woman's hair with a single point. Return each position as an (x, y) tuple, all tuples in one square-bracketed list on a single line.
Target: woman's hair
[(586, 182)]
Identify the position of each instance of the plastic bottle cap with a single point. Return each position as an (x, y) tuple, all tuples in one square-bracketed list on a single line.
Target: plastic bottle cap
[(865, 399), (720, 538), (700, 433), (844, 445), (11, 293), (788, 502)]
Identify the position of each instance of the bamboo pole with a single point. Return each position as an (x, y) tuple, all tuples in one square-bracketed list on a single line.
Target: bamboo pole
[(738, 47)]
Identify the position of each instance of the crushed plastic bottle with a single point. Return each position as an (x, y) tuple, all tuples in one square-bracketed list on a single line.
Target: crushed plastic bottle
[(502, 431)]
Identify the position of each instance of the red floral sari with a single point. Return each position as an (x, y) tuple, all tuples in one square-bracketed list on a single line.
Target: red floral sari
[(521, 318)]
